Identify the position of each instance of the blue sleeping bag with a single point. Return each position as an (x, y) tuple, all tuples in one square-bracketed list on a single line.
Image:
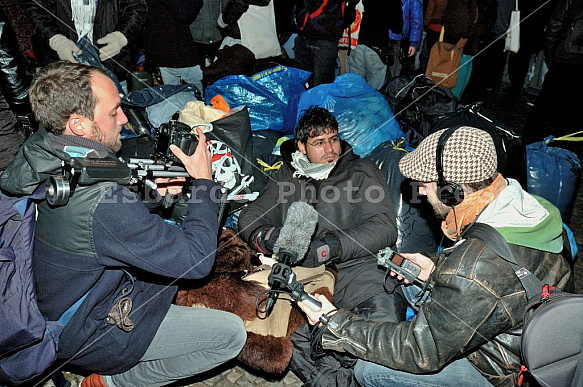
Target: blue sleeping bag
[(553, 173)]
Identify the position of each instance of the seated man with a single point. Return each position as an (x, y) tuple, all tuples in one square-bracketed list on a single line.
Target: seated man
[(470, 327), (356, 218), (106, 251)]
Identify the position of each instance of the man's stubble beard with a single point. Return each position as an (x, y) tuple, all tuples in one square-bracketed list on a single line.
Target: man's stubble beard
[(97, 134), (439, 209)]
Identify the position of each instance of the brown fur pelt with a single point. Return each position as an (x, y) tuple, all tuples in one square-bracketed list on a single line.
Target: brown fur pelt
[(226, 290)]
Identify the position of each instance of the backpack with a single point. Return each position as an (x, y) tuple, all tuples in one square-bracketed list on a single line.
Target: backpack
[(28, 341), (552, 336)]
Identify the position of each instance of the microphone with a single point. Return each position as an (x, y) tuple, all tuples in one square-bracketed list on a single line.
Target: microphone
[(291, 246), (295, 235)]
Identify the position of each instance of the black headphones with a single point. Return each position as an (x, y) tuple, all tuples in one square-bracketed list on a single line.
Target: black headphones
[(448, 193)]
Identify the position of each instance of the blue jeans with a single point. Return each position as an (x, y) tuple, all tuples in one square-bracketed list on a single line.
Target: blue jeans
[(173, 76), (189, 341), (414, 295), (459, 373), (319, 57)]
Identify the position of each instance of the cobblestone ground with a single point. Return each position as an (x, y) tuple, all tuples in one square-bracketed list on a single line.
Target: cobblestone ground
[(511, 110), (233, 376)]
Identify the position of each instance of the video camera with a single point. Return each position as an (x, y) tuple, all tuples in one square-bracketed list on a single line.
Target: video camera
[(85, 171), (174, 133)]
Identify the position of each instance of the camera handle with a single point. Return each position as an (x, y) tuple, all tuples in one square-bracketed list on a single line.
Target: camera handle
[(283, 278)]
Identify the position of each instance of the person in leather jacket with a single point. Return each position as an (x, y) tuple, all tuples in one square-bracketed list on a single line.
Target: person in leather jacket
[(356, 219), (468, 327), (15, 113)]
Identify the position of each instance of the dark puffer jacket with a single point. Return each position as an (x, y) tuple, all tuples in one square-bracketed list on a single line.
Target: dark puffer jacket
[(481, 290), (52, 17), (364, 224)]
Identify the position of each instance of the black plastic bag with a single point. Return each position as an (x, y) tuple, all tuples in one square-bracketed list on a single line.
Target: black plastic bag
[(510, 150), (418, 229), (231, 146), (417, 101)]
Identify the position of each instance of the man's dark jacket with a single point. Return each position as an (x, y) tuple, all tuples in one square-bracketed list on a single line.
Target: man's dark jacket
[(476, 311), (380, 16), (364, 224), (167, 38), (564, 34), (84, 245), (52, 17)]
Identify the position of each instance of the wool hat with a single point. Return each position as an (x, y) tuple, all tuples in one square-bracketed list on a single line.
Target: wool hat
[(469, 156)]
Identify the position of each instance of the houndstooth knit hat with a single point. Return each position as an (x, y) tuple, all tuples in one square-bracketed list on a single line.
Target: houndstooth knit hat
[(469, 156)]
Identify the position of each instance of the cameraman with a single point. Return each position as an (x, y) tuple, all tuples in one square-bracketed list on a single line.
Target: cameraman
[(106, 251)]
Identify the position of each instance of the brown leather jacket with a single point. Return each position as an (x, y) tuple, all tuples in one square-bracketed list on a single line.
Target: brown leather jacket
[(476, 311)]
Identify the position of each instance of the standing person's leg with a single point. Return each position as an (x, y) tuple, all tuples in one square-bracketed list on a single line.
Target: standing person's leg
[(394, 70), (169, 76), (459, 373), (376, 70), (518, 68), (356, 61), (189, 341), (192, 75), (431, 37), (303, 54), (325, 54), (555, 111)]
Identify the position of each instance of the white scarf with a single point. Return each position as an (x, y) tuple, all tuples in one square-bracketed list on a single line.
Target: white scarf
[(83, 17), (306, 168)]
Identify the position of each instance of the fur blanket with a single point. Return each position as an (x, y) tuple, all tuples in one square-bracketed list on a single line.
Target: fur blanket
[(237, 280)]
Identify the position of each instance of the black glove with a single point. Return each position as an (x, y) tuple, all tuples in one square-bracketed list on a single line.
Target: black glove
[(322, 250), (263, 238)]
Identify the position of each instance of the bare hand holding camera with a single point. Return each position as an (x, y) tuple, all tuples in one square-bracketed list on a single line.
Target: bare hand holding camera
[(199, 164), (171, 186)]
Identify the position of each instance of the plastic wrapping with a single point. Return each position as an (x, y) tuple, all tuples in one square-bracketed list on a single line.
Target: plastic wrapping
[(364, 117), (271, 96), (554, 174), (418, 229)]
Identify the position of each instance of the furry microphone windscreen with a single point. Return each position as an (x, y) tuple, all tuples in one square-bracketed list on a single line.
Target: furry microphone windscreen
[(297, 230)]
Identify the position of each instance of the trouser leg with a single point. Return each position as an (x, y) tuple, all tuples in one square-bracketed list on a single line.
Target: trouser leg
[(189, 341), (459, 373)]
